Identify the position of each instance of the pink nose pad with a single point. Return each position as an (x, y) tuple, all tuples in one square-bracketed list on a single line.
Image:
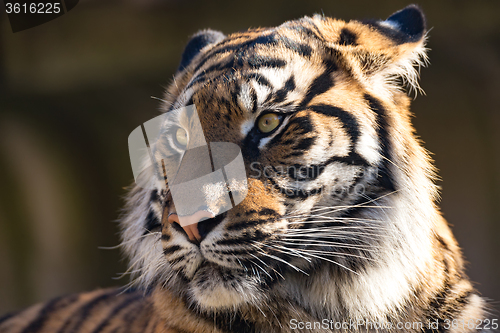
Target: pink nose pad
[(190, 223)]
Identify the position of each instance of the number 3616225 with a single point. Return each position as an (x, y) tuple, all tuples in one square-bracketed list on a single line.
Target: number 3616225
[(32, 8)]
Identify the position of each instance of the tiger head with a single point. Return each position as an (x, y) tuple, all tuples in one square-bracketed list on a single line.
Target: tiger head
[(317, 108)]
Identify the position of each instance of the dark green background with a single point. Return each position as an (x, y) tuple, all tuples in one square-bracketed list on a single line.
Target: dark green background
[(72, 90)]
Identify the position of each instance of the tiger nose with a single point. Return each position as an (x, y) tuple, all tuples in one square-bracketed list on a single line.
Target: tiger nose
[(190, 223)]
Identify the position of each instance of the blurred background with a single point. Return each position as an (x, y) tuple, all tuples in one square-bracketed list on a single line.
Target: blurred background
[(71, 91)]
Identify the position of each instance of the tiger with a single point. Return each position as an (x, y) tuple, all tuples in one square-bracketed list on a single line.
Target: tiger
[(340, 229)]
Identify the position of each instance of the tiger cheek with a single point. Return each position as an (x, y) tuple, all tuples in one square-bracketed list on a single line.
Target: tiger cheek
[(261, 193)]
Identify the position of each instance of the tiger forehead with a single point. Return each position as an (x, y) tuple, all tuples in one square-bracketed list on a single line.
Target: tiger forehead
[(357, 47), (245, 46), (241, 65), (305, 37), (271, 48), (265, 55), (280, 68)]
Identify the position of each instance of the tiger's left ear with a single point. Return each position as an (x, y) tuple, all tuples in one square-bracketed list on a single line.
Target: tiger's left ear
[(396, 47), (378, 51), (404, 26)]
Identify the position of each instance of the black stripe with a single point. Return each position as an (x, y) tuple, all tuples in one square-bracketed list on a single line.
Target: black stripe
[(321, 84), (351, 159), (463, 299), (239, 252), (351, 125), (152, 222), (280, 95), (254, 62), (347, 37), (268, 211), (220, 66), (248, 212), (154, 194), (348, 120), (228, 68), (303, 123), (253, 96), (303, 126), (313, 171), (235, 91), (304, 144), (44, 315), (200, 78), (301, 48), (245, 224), (221, 49), (442, 243), (270, 39), (384, 176), (259, 78), (171, 249), (310, 22), (119, 307), (76, 320), (257, 61), (232, 241), (247, 236), (303, 30), (307, 28)]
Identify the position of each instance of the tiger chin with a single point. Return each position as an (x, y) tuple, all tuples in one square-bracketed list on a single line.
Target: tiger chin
[(340, 223)]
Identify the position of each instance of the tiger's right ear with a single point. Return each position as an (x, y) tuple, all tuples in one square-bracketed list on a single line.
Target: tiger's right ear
[(199, 41)]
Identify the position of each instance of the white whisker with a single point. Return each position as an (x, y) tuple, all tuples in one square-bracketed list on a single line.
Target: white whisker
[(279, 259)]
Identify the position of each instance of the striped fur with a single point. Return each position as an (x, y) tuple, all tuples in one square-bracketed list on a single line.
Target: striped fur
[(340, 221)]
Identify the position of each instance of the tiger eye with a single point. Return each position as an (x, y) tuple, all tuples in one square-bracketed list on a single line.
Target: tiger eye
[(181, 137), (268, 122)]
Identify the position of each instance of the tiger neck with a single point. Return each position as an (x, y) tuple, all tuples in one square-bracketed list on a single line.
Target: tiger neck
[(384, 286)]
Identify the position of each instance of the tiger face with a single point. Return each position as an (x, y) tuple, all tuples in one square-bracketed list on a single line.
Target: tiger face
[(315, 107)]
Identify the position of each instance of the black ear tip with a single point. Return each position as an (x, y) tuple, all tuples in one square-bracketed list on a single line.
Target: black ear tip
[(409, 20), (198, 42)]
